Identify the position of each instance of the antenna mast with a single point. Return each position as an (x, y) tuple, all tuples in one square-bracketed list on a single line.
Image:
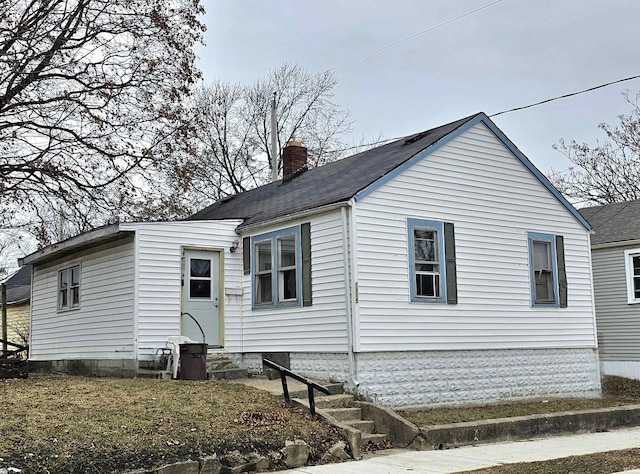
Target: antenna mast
[(274, 141)]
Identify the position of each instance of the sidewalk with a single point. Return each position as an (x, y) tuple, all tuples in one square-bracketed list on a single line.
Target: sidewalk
[(486, 455)]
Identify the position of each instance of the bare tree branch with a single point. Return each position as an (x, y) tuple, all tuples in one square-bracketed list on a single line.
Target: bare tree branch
[(608, 172)]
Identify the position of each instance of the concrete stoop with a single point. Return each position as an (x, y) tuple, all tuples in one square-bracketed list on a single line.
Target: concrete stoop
[(220, 367), (342, 411)]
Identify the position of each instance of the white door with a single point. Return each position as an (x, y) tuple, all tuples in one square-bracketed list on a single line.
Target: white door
[(200, 292)]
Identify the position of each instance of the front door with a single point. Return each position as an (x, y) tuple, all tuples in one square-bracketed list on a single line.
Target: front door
[(200, 292)]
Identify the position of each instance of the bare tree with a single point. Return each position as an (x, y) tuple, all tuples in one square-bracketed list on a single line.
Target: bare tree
[(608, 172), (231, 150), (304, 111), (91, 96)]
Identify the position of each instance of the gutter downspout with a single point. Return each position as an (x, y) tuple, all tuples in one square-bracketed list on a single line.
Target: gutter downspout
[(348, 299)]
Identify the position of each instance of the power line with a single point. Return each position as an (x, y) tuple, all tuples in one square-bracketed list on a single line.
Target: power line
[(413, 36), (564, 96)]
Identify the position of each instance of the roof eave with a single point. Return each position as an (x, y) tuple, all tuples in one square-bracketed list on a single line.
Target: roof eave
[(619, 243), (60, 249)]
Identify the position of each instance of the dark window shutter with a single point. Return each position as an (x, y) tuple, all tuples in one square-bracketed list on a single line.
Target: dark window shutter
[(450, 263), (246, 255), (562, 272), (305, 241)]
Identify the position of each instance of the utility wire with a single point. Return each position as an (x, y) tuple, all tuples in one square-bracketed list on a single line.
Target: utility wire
[(413, 36), (565, 96)]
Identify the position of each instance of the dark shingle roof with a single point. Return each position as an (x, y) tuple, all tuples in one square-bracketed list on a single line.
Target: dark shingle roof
[(19, 286), (616, 222), (328, 184)]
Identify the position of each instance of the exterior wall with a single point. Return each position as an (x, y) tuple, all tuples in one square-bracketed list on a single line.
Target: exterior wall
[(159, 247), (18, 323), (621, 368), (320, 327), (431, 378), (102, 328), (475, 182), (618, 321)]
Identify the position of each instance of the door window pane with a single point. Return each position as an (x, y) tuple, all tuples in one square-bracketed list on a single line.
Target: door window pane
[(201, 268), (200, 289), (200, 278)]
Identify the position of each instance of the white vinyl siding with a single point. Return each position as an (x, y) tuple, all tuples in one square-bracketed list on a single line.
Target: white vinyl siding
[(618, 321), (476, 183), (159, 247), (102, 327), (320, 327)]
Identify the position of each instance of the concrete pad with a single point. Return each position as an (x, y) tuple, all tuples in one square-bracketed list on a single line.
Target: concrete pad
[(476, 457)]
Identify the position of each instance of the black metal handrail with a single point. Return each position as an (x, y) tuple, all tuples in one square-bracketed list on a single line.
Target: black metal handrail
[(199, 327), (311, 385)]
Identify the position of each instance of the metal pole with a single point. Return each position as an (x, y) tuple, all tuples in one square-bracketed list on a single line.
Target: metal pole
[(274, 141), (4, 319)]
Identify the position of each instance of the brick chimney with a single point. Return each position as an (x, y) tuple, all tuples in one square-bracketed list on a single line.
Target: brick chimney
[(294, 160)]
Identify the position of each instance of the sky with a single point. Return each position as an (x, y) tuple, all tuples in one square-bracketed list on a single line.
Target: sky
[(507, 54)]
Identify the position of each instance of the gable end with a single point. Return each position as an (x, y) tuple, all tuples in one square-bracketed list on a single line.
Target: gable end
[(459, 131)]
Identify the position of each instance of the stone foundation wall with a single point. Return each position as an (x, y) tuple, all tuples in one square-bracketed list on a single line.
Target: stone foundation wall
[(94, 367), (432, 378)]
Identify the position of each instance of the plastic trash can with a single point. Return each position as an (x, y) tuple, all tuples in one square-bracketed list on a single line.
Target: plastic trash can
[(193, 361)]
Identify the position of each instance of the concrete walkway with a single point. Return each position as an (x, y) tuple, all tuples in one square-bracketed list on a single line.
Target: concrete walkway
[(486, 455)]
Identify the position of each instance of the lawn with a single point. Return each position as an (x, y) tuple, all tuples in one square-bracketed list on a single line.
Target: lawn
[(617, 391), (58, 423)]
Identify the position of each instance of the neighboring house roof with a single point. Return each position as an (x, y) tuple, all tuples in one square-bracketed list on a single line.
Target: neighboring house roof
[(19, 286), (617, 222), (352, 177)]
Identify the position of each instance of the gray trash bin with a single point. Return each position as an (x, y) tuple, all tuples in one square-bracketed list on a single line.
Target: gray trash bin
[(193, 361)]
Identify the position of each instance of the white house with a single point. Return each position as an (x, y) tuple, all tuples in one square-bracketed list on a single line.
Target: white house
[(441, 268)]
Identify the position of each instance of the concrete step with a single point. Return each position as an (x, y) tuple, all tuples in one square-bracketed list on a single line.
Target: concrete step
[(334, 401), (227, 374), (221, 365), (366, 426), (334, 389), (374, 438), (345, 414)]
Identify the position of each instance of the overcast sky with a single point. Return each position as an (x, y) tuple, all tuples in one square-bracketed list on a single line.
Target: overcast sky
[(506, 55)]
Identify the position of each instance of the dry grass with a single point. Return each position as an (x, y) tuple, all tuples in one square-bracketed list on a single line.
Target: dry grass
[(617, 391), (600, 463), (76, 424)]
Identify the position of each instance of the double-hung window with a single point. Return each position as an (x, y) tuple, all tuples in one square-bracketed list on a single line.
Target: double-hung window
[(277, 268), (432, 265), (69, 288), (632, 267), (547, 272)]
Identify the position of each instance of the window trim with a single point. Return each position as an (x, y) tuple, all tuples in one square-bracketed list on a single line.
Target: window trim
[(551, 240), (273, 238), (190, 278), (438, 226), (628, 270), (68, 268)]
